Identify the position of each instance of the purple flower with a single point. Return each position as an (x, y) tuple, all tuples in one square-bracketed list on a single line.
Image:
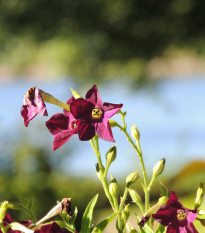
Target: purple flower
[(8, 219), (32, 105), (92, 115), (62, 126), (178, 218), (51, 228)]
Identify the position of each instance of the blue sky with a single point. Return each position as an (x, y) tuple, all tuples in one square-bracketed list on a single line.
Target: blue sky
[(170, 117)]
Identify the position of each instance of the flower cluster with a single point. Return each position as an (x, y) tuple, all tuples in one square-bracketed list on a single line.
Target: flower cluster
[(86, 117)]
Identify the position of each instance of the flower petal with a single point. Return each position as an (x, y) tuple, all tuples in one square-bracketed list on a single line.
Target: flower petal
[(103, 130), (85, 131), (28, 113), (93, 96), (61, 138), (82, 109), (165, 215), (111, 109), (57, 123), (40, 103), (69, 101), (173, 202), (172, 229), (191, 216), (190, 228)]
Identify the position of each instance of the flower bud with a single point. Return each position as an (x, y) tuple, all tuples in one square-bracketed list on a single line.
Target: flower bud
[(111, 154), (20, 228), (135, 133), (113, 187), (113, 123), (75, 94), (132, 178), (199, 195), (125, 213), (3, 209), (158, 167), (135, 196)]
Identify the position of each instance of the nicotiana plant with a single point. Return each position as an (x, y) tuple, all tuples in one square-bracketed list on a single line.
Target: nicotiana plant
[(89, 118)]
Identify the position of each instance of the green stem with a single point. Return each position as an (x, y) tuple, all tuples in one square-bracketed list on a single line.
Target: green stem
[(2, 228), (138, 149), (151, 183)]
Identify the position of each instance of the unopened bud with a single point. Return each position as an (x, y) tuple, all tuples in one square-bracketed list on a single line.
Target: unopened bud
[(75, 94), (135, 133), (20, 228), (3, 209), (130, 228), (158, 167), (113, 187), (125, 213), (132, 178), (199, 195), (111, 154), (113, 123), (135, 196)]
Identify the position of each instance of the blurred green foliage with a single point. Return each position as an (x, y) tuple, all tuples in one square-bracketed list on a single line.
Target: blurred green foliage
[(94, 38)]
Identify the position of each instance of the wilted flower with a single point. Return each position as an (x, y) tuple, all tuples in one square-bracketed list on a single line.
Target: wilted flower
[(92, 115), (178, 218), (51, 228), (62, 126), (32, 105)]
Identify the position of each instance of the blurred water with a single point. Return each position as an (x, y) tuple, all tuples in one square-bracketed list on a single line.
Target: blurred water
[(170, 116)]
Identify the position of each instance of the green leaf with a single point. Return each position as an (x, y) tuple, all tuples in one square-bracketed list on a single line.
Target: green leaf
[(160, 229), (102, 225), (146, 228), (164, 190), (65, 225), (87, 216)]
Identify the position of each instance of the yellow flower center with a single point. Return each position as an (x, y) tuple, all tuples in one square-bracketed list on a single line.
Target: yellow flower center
[(96, 113), (181, 215)]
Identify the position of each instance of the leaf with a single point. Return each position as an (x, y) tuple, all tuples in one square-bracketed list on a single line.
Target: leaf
[(160, 229), (102, 225), (164, 190), (87, 216), (146, 228)]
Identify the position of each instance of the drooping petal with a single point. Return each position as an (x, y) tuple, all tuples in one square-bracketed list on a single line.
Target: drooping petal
[(82, 109), (57, 123), (93, 96), (61, 138), (103, 130), (111, 109), (190, 228), (85, 131), (40, 103), (28, 113), (173, 202), (165, 215)]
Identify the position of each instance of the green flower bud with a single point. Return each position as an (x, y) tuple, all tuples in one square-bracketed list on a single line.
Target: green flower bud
[(113, 187), (113, 123), (75, 94), (199, 195), (135, 133), (132, 178), (125, 213), (135, 196), (158, 167), (111, 154), (3, 209)]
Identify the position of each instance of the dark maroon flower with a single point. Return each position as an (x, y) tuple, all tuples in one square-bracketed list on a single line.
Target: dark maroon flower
[(62, 126), (178, 218), (8, 219), (51, 228), (92, 115), (32, 105)]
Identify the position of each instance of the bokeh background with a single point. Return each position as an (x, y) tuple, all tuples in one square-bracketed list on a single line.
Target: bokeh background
[(148, 55)]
